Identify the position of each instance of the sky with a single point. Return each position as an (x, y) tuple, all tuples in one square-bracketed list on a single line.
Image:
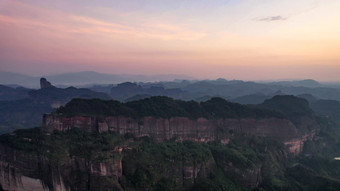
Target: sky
[(232, 39)]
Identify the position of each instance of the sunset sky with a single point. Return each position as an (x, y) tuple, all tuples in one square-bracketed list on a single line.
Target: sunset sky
[(235, 39)]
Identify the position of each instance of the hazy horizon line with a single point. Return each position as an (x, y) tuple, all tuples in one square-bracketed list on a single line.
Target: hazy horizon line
[(169, 74)]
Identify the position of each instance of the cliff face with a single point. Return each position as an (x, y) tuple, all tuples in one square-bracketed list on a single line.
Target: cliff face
[(199, 130), (295, 145), (22, 171)]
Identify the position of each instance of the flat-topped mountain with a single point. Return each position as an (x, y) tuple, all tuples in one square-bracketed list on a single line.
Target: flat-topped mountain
[(159, 142), (164, 118)]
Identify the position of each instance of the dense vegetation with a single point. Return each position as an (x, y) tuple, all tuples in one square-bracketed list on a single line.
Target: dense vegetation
[(316, 168), (245, 163), (148, 165), (59, 147), (164, 107)]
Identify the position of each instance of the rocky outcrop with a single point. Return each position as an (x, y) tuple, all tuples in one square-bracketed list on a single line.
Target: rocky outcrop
[(307, 127), (199, 130), (23, 171), (295, 145), (45, 84)]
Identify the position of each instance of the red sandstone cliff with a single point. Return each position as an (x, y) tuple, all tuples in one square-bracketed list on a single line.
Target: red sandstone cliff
[(23, 171), (199, 130)]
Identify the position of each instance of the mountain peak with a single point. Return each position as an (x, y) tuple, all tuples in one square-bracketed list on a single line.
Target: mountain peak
[(45, 84)]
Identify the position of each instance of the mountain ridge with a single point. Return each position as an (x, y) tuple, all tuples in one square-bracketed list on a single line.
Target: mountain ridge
[(84, 78)]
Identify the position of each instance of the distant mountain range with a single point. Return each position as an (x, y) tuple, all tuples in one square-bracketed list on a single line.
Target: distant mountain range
[(23, 108), (234, 90), (83, 78), (90, 78)]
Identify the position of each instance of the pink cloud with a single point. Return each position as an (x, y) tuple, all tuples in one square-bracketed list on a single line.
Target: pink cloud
[(46, 19)]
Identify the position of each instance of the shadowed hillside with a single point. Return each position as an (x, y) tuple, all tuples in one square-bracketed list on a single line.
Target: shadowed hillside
[(27, 112)]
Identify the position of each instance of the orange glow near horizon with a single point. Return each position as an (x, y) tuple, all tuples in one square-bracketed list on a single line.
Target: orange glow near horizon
[(237, 39)]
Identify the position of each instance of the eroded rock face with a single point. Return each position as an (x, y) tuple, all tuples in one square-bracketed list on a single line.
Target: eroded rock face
[(21, 171), (200, 130), (295, 145), (182, 128), (44, 83)]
